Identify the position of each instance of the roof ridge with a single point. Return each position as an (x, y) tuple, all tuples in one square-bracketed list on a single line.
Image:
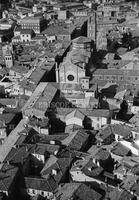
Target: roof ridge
[(49, 184), (59, 167)]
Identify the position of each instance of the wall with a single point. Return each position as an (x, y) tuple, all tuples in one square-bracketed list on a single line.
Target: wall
[(15, 74), (74, 120), (98, 122), (67, 69), (79, 176), (34, 192), (9, 61), (135, 109), (25, 37), (117, 137), (134, 150), (39, 157)]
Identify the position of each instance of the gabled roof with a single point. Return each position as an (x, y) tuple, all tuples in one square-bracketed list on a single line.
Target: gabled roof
[(66, 191), (72, 127), (41, 97), (98, 153), (115, 194), (7, 176), (120, 150), (7, 117), (81, 40), (112, 129), (96, 112), (135, 188), (44, 123), (42, 149), (17, 155), (86, 193), (130, 161), (8, 101), (59, 164), (47, 138), (26, 31), (102, 154), (86, 112), (121, 130), (95, 170), (76, 140), (48, 184), (135, 120), (128, 182), (18, 28), (75, 114), (120, 94), (49, 163), (53, 30)]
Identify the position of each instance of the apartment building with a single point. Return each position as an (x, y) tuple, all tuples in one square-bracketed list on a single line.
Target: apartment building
[(37, 24)]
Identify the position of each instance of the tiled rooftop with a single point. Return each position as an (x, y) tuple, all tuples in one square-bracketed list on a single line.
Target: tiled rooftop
[(11, 140)]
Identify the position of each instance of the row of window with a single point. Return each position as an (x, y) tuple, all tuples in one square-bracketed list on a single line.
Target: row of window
[(35, 192), (25, 40), (117, 77), (30, 24), (8, 58), (32, 27), (85, 81), (25, 35)]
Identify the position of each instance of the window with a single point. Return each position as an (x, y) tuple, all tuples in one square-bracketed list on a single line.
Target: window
[(113, 77), (70, 77), (121, 78), (74, 100), (11, 126), (33, 191)]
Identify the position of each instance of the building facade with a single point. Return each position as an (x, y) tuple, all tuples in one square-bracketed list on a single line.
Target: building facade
[(73, 68), (37, 24)]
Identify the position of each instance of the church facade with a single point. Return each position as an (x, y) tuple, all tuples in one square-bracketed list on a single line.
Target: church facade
[(73, 68)]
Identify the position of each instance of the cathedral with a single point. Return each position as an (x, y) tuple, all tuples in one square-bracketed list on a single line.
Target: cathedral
[(73, 68)]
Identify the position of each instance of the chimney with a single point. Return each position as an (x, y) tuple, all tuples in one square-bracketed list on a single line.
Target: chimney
[(94, 160), (115, 166), (98, 163), (52, 142), (57, 73), (26, 149), (54, 172), (39, 130), (55, 153), (118, 187), (89, 169), (7, 162)]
